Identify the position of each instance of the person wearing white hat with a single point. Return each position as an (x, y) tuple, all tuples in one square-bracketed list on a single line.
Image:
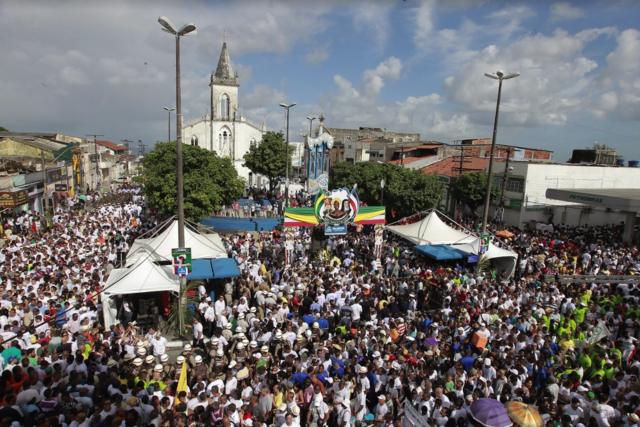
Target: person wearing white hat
[(137, 362), (164, 358)]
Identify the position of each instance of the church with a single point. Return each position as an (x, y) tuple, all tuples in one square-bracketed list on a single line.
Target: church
[(224, 130)]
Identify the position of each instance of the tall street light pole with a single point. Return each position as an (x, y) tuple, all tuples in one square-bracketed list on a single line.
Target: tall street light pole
[(183, 31), (169, 110), (287, 107), (311, 119), (168, 26), (500, 76)]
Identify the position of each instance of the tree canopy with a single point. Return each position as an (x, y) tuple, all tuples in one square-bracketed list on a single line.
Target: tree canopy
[(269, 158), (470, 189), (209, 181), (406, 191)]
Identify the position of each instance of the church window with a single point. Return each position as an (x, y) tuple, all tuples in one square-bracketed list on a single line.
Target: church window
[(224, 106), (194, 141), (252, 143)]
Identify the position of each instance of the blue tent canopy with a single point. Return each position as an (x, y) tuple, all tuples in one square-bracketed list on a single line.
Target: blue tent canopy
[(218, 268), (227, 224), (441, 252)]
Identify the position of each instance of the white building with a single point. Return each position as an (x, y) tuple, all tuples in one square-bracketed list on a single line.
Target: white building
[(224, 130), (527, 184)]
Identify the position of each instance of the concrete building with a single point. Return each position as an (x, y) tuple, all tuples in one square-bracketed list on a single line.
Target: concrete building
[(224, 130), (353, 145), (527, 192), (30, 172)]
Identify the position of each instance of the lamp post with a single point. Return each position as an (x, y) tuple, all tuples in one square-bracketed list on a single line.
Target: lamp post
[(382, 191), (500, 76), (183, 31), (287, 107), (311, 119), (169, 110), (168, 26)]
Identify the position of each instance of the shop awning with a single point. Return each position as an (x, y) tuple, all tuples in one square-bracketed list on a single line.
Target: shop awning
[(217, 268), (441, 252)]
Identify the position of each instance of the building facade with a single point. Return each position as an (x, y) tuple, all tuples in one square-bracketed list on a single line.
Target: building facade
[(527, 183), (224, 130), (353, 145)]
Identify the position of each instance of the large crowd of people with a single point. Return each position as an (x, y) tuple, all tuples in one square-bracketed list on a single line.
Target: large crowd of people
[(316, 333)]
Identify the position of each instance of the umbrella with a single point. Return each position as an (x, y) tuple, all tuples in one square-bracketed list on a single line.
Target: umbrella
[(505, 234), (490, 413), (524, 415)]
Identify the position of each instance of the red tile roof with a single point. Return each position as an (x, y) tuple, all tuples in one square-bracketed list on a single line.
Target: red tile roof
[(111, 146), (407, 160), (450, 166)]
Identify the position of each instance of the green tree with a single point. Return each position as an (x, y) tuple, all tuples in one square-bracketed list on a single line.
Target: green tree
[(269, 158), (406, 191), (470, 189), (209, 181), (3, 129)]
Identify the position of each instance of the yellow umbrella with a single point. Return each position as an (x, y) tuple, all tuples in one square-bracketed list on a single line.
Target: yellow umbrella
[(524, 415)]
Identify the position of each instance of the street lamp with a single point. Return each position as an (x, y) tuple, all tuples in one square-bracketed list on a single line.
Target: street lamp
[(311, 119), (500, 76), (168, 26), (382, 191), (287, 107), (169, 110)]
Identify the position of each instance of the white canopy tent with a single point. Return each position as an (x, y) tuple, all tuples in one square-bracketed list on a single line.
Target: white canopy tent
[(208, 245), (143, 276), (431, 230)]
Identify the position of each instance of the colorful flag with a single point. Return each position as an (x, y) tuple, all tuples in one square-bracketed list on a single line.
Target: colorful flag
[(182, 382)]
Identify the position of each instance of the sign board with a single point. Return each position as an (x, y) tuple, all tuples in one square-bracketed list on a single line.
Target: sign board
[(181, 260), (12, 199), (335, 230), (61, 187), (472, 259)]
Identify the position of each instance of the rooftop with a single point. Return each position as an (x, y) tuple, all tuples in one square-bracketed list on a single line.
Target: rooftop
[(450, 166), (111, 145)]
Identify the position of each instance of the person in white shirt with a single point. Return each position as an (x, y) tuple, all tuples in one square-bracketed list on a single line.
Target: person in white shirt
[(159, 344)]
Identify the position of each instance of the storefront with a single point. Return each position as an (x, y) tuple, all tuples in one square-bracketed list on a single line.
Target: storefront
[(15, 200)]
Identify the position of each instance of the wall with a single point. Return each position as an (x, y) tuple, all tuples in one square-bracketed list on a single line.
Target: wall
[(242, 134), (539, 177)]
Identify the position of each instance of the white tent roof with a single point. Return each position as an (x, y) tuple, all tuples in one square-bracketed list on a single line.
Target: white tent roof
[(144, 276), (202, 245), (431, 230)]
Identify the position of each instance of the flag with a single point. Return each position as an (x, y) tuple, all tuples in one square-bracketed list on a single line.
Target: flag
[(182, 382), (599, 332)]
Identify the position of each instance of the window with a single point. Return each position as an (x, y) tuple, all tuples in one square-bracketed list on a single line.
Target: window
[(515, 185), (252, 143), (224, 107), (194, 141), (224, 140)]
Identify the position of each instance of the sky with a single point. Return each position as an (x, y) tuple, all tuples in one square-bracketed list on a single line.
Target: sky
[(85, 67)]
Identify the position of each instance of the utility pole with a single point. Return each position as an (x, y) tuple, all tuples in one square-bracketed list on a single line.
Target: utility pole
[(141, 147), (504, 182), (44, 184), (95, 152), (287, 107)]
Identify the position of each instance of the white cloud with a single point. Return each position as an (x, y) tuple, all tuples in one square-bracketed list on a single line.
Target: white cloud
[(372, 18), (390, 68), (556, 79), (563, 11), (423, 20), (619, 84), (114, 54), (352, 106), (317, 55)]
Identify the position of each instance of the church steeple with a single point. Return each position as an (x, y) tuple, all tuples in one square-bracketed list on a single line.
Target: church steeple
[(224, 74)]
